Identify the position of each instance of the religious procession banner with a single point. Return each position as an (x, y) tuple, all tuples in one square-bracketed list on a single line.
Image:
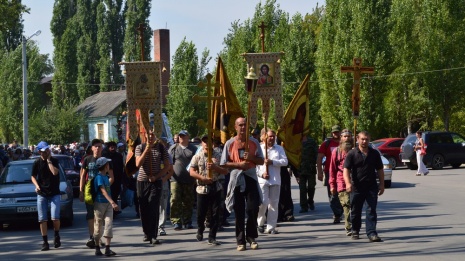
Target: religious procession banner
[(224, 113), (295, 124), (268, 69), (143, 92)]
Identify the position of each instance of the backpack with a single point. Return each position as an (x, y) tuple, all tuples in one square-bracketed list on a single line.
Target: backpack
[(90, 192)]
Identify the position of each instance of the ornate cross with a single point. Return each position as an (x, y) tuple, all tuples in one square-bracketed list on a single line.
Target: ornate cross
[(357, 69), (209, 99), (141, 30), (262, 35)]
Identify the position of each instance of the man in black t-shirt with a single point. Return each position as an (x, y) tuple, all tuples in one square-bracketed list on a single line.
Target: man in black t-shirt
[(361, 168), (88, 171), (45, 177)]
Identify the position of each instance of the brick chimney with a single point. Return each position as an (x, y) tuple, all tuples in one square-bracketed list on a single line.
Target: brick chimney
[(161, 43)]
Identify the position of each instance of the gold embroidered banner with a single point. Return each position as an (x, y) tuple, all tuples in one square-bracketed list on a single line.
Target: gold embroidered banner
[(143, 91)]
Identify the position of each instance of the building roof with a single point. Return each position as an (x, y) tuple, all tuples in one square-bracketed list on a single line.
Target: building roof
[(102, 104)]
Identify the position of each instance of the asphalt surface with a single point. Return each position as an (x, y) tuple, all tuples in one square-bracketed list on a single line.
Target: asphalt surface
[(419, 218)]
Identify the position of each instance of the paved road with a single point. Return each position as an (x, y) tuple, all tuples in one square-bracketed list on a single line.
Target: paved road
[(420, 218)]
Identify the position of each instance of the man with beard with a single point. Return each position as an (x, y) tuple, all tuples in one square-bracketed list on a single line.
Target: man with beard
[(336, 177), (117, 164), (361, 167), (325, 151)]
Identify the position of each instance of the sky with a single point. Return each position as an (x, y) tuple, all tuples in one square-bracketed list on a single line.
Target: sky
[(204, 22)]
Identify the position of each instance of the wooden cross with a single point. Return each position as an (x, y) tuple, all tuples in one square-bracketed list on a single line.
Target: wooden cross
[(209, 99), (357, 69), (262, 35), (141, 30)]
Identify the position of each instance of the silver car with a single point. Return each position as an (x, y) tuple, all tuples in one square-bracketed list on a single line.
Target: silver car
[(18, 199)]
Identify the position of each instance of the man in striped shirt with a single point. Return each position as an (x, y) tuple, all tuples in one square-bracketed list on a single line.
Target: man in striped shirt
[(149, 158)]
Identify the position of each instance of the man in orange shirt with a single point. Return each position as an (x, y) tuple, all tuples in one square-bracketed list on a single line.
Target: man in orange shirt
[(243, 188)]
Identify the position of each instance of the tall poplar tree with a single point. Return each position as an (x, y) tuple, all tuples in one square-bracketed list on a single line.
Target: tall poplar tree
[(182, 111), (137, 12), (65, 31), (88, 77)]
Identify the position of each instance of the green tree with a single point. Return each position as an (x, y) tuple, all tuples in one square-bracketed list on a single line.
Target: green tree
[(11, 23), (11, 78), (88, 77), (441, 39), (116, 27), (354, 29), (104, 47), (65, 30), (182, 111), (63, 125), (137, 12)]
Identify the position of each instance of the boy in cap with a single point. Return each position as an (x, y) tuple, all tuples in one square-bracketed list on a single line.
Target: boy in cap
[(45, 177), (103, 207)]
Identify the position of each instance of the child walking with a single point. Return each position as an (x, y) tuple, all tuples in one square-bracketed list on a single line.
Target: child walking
[(103, 207)]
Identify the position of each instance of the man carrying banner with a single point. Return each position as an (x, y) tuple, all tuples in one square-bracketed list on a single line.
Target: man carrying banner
[(243, 189)]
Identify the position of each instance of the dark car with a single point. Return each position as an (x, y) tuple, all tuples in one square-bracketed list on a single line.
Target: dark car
[(71, 174), (390, 148), (18, 199), (442, 149)]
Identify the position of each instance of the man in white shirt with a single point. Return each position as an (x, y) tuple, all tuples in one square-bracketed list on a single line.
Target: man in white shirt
[(269, 179)]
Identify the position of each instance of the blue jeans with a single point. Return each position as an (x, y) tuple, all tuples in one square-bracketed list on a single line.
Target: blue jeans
[(357, 199), (334, 202), (42, 207)]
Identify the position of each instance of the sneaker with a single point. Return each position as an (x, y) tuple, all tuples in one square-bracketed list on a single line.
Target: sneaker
[(98, 252), (199, 236), (108, 252), (241, 248), (311, 206), (271, 231), (161, 232), (252, 242), (261, 229), (426, 173), (90, 243), (355, 235), (188, 226), (348, 233), (177, 227), (374, 238), (303, 210), (45, 246), (146, 238), (57, 242), (337, 220), (155, 241), (213, 242)]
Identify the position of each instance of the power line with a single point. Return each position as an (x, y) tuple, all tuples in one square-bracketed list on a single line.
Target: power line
[(314, 81)]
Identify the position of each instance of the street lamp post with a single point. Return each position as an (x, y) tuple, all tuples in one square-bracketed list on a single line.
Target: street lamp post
[(25, 116)]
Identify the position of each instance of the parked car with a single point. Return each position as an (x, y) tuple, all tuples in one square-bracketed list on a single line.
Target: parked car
[(386, 167), (18, 199), (442, 149), (390, 148), (71, 174)]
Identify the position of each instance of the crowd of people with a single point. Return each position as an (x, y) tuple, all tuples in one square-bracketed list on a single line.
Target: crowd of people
[(248, 176)]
